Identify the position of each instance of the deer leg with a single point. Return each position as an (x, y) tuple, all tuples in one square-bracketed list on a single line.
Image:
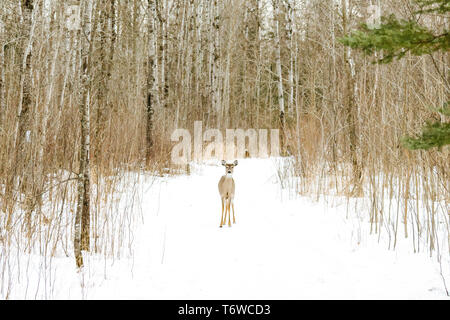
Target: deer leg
[(229, 212), (221, 218), (226, 212), (232, 205)]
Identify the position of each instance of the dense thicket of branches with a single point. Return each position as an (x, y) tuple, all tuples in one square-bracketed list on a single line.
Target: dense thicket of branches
[(393, 38), (138, 69)]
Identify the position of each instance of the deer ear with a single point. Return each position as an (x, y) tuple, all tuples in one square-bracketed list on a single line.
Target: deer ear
[(235, 162), (223, 162)]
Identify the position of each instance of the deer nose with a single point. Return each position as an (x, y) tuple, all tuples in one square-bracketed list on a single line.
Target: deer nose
[(229, 171)]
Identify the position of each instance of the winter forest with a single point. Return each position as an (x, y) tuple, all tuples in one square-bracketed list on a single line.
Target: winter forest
[(351, 96)]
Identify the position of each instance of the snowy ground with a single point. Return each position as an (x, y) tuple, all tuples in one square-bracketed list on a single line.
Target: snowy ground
[(281, 247)]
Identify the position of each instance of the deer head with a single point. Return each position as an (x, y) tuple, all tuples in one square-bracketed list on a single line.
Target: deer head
[(229, 167)]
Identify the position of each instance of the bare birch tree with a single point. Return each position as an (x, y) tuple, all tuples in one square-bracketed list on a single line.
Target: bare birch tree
[(150, 89), (279, 73), (350, 103), (82, 218)]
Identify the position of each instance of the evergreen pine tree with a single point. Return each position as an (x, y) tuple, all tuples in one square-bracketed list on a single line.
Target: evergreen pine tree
[(394, 38)]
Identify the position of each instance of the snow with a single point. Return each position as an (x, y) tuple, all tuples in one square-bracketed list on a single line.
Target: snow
[(282, 247)]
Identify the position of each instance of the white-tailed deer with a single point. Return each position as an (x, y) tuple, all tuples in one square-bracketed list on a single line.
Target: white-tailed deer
[(226, 190)]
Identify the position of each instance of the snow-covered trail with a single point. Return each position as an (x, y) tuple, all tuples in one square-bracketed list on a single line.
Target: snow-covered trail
[(280, 248)]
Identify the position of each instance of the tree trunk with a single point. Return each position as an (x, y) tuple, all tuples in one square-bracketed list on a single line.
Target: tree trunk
[(276, 10), (3, 38), (150, 82), (350, 106), (215, 94), (82, 218), (163, 88), (19, 160), (289, 13), (25, 75)]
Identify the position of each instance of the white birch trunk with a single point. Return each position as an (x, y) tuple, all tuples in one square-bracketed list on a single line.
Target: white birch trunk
[(82, 218), (350, 103), (29, 21), (151, 75), (199, 52), (215, 57), (2, 78), (276, 7), (289, 30)]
